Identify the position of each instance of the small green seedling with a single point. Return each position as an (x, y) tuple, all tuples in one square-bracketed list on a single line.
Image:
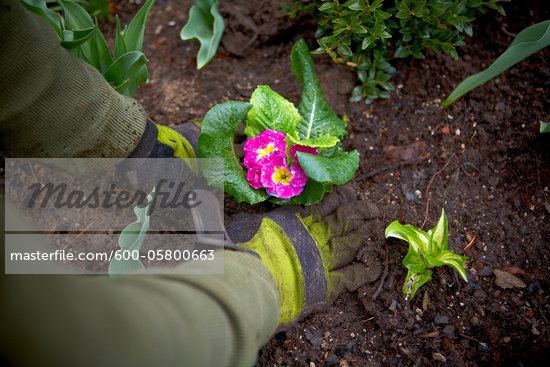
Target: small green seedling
[(206, 25), (426, 251)]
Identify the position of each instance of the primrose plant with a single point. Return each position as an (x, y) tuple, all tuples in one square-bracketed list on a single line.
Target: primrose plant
[(426, 251), (126, 69), (292, 155)]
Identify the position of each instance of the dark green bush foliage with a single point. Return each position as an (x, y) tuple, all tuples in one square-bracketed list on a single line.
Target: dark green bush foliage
[(366, 35)]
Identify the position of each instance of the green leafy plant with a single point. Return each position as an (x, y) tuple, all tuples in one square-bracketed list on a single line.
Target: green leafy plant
[(127, 259), (367, 34), (312, 125), (426, 251), (527, 42), (206, 25), (126, 69)]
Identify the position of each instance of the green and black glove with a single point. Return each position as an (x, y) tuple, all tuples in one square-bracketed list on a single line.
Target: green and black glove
[(312, 257), (159, 141)]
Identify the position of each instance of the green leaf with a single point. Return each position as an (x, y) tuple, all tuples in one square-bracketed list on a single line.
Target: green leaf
[(75, 16), (216, 141), (544, 127), (270, 111), (72, 39), (323, 141), (440, 235), (454, 261), (528, 41), (338, 169), (206, 25), (131, 238), (415, 237), (313, 193), (414, 261), (120, 43), (317, 118), (414, 281), (39, 7), (133, 34), (128, 67)]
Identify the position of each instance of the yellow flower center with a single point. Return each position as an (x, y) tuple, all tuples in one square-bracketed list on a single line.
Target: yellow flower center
[(263, 152), (282, 175)]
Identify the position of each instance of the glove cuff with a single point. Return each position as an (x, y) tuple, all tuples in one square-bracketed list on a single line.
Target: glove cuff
[(287, 249), (160, 141)]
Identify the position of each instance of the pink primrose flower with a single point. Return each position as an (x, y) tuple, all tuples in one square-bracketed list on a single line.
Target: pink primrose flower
[(266, 144), (280, 181)]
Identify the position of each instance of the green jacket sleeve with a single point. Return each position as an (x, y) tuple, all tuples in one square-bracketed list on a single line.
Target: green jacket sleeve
[(143, 320), (53, 104)]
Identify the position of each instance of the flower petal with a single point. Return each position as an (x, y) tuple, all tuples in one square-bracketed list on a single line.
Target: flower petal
[(299, 177), (301, 148), (253, 176)]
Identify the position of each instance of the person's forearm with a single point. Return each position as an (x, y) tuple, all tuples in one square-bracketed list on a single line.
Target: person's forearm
[(168, 320), (53, 104)]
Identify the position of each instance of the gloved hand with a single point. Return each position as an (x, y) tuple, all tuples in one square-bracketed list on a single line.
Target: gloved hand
[(160, 141), (311, 257)]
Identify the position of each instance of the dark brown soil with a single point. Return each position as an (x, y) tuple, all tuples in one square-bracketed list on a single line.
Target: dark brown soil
[(482, 159)]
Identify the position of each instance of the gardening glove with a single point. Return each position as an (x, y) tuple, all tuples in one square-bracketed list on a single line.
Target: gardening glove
[(159, 141), (311, 257)]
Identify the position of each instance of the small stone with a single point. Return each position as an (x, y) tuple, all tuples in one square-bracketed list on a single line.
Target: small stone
[(474, 321), (343, 363), (506, 339), (506, 280), (331, 360), (393, 306), (314, 338), (439, 357), (441, 319)]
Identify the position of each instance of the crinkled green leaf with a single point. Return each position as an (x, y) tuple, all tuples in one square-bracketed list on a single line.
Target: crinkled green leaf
[(415, 237), (216, 141), (527, 42), (322, 142), (414, 281), (206, 25), (128, 69), (270, 111), (338, 169), (131, 238), (317, 118)]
